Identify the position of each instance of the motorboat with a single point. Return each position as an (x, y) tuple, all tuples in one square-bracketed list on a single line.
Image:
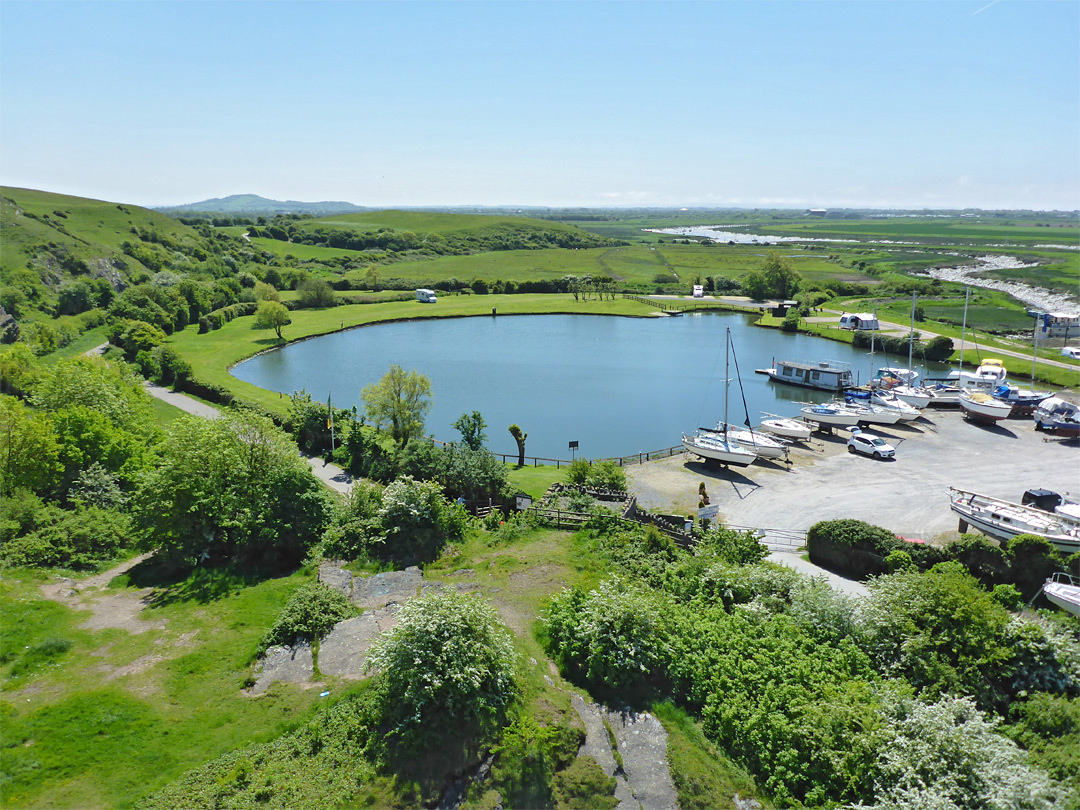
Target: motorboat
[(1023, 400), (1004, 520), (1058, 416), (795, 429), (1064, 591), (986, 377), (830, 413), (981, 407), (757, 443)]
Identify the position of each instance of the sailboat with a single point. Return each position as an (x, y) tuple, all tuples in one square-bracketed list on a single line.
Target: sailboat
[(715, 445)]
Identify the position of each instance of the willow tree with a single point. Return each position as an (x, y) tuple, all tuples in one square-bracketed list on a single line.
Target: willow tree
[(400, 399)]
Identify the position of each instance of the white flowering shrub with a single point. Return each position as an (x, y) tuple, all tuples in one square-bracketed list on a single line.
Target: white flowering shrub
[(616, 637), (948, 755), (450, 664)]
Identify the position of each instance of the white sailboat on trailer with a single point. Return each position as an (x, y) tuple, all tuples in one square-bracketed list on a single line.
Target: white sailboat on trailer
[(714, 446)]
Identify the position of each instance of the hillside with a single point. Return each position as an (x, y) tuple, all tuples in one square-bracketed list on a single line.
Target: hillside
[(428, 233), (253, 205)]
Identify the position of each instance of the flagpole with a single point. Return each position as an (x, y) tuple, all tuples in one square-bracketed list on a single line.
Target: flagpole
[(330, 423)]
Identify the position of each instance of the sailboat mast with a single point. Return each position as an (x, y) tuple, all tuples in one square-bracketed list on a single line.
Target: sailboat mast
[(963, 330), (727, 377), (872, 333), (911, 334)]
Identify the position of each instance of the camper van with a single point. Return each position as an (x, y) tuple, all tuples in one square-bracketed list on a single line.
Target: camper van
[(426, 296), (699, 291)]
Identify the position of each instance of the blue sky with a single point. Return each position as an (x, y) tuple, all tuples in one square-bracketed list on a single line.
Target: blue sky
[(894, 103)]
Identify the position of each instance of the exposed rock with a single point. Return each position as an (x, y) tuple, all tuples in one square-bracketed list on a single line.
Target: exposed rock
[(642, 743), (390, 586), (335, 578), (288, 664), (344, 651)]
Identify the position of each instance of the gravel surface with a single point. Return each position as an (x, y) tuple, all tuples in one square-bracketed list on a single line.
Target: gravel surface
[(908, 495)]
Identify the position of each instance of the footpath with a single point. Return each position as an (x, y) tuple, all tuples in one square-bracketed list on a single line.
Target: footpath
[(330, 474)]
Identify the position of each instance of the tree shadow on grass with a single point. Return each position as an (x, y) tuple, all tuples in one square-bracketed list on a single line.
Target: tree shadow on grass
[(203, 584)]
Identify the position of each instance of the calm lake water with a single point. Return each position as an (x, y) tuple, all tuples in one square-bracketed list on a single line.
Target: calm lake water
[(618, 386)]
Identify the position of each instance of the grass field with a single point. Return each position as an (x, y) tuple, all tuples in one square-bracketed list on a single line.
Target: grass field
[(118, 713)]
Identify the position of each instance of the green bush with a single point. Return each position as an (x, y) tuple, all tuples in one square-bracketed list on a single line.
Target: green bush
[(448, 666), (584, 786), (311, 613)]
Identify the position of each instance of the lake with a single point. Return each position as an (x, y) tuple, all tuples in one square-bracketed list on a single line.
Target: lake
[(618, 386)]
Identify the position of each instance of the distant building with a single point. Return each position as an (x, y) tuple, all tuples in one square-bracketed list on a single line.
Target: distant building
[(816, 212), (1058, 324)]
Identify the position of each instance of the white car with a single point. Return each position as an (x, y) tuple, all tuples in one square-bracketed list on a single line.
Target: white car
[(1071, 351), (869, 445)]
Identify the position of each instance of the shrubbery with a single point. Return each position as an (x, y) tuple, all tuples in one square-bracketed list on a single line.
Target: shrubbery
[(449, 664), (311, 613)]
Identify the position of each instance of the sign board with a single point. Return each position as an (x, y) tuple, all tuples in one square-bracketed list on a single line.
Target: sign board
[(573, 446), (710, 512), (523, 502)]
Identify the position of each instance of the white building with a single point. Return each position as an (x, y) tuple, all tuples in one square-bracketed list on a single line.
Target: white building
[(1058, 324)]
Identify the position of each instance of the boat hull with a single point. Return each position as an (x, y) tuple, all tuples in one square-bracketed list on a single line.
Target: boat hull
[(787, 428), (720, 451), (1003, 520), (1065, 596), (986, 409)]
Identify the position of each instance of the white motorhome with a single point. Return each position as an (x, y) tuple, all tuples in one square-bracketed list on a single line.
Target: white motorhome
[(426, 296)]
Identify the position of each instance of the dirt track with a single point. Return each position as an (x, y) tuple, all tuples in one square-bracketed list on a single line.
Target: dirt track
[(907, 495)]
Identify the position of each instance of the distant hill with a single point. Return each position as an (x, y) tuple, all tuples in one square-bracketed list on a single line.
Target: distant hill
[(254, 205)]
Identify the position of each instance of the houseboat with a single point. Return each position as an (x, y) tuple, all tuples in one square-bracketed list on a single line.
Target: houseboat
[(825, 375)]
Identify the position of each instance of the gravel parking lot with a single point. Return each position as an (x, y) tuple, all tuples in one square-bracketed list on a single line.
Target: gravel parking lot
[(908, 495)]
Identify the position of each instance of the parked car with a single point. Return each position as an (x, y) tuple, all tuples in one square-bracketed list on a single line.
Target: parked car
[(869, 445), (1071, 351)]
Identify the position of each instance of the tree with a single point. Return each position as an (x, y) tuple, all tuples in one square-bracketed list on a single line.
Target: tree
[(520, 438), (471, 426), (29, 451), (232, 488), (400, 399), (371, 277), (316, 292), (265, 292), (449, 664), (272, 314)]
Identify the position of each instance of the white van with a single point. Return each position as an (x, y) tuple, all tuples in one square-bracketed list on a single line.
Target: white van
[(1071, 351), (426, 296), (699, 291)]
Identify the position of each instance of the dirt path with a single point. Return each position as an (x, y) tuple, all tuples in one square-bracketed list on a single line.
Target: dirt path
[(120, 609)]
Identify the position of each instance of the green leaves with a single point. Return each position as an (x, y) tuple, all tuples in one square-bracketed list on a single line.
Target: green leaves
[(450, 664)]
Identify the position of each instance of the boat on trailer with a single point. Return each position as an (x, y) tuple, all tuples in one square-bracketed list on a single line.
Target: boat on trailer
[(1004, 520), (795, 429), (981, 407), (1057, 416), (1064, 591)]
